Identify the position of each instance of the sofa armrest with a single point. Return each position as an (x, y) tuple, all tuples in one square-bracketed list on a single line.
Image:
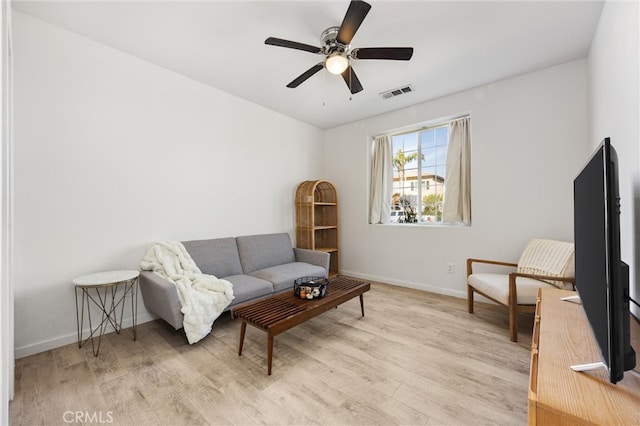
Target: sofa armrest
[(161, 297), (318, 258)]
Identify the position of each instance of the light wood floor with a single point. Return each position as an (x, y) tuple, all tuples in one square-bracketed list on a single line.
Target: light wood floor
[(415, 358)]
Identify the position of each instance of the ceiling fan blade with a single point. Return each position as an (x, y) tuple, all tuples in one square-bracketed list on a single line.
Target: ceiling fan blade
[(352, 81), (305, 75), (352, 19), (292, 45), (392, 53)]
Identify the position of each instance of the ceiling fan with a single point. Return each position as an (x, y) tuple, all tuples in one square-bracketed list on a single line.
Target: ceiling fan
[(335, 46)]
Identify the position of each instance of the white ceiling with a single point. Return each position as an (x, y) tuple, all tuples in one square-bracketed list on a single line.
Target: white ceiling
[(457, 46)]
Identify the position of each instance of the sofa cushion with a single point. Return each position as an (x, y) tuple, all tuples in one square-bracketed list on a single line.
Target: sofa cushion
[(246, 287), (283, 276), (264, 251), (218, 257)]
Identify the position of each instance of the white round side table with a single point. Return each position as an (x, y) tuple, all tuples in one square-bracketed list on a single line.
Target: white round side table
[(102, 289)]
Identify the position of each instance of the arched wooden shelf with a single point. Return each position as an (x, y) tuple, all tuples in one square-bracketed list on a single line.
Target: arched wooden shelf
[(317, 219)]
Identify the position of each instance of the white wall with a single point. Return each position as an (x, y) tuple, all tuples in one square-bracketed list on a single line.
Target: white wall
[(614, 89), (6, 285), (528, 135), (112, 153)]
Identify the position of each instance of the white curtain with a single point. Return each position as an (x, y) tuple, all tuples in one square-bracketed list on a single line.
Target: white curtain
[(381, 180), (457, 197)]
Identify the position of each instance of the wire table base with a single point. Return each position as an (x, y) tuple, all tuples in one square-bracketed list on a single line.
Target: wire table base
[(108, 292)]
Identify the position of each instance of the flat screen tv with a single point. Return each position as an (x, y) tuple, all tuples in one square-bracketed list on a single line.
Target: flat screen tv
[(602, 278)]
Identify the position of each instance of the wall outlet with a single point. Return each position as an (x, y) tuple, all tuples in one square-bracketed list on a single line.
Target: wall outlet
[(450, 268)]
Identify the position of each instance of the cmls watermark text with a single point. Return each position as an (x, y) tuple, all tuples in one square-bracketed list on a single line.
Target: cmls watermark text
[(84, 417)]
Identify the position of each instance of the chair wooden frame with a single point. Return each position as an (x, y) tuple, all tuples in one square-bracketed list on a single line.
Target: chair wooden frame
[(513, 306)]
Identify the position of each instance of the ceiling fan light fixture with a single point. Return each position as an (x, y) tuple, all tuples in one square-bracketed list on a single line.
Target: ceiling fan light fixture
[(335, 46), (336, 63)]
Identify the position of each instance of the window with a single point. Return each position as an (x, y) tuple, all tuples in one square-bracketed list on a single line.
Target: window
[(425, 185), (430, 175), (419, 168)]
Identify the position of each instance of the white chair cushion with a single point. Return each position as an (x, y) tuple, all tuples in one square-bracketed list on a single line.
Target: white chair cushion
[(496, 286), (548, 257)]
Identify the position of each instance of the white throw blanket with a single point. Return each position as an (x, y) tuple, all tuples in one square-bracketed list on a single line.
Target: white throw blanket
[(203, 297)]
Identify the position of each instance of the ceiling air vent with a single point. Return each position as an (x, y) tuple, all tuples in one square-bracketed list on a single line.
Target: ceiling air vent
[(397, 92)]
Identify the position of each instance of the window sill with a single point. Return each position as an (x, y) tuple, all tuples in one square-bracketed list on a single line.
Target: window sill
[(422, 225)]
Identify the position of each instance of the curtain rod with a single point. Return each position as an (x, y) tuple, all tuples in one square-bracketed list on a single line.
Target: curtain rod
[(427, 126)]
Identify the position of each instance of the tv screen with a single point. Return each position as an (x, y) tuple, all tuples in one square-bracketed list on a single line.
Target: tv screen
[(602, 278)]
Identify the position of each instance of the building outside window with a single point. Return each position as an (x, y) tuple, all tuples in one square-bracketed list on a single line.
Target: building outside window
[(419, 170)]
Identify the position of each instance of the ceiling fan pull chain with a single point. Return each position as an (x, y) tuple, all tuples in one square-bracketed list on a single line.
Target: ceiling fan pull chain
[(324, 87)]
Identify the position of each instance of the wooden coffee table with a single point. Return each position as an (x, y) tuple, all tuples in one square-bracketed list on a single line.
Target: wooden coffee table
[(282, 311)]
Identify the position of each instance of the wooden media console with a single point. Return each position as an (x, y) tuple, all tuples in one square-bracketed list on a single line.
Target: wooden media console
[(560, 396)]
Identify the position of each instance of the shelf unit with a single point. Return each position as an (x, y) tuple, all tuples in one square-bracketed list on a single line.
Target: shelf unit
[(317, 219)]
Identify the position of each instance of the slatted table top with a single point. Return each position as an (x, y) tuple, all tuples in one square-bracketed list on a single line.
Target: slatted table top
[(287, 308)]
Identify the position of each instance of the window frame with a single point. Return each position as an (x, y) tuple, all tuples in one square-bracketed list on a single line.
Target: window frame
[(417, 128)]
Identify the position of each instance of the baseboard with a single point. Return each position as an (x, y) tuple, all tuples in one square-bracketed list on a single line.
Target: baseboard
[(45, 345), (416, 286), (408, 284)]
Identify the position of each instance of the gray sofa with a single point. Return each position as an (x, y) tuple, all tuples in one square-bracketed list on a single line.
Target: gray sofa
[(256, 265)]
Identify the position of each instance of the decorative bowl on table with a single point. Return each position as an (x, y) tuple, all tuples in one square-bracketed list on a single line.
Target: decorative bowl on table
[(311, 287)]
